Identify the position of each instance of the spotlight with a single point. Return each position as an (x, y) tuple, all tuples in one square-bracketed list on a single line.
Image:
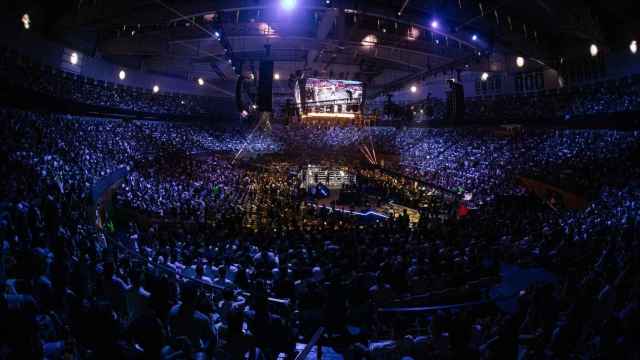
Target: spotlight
[(73, 58), (520, 61), (633, 47), (156, 88), (435, 24), (122, 75), (229, 61), (217, 34), (26, 21), (369, 41), (200, 81), (265, 29), (474, 37), (288, 4), (413, 33), (484, 76), (414, 89), (593, 49), (276, 76)]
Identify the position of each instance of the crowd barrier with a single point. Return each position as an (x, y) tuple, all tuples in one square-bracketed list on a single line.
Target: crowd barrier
[(544, 190)]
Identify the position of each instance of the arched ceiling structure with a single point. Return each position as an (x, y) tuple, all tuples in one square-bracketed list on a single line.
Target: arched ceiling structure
[(385, 43)]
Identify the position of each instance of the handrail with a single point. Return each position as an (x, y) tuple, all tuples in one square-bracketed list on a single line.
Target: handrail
[(444, 291), (314, 340), (189, 278), (443, 307)]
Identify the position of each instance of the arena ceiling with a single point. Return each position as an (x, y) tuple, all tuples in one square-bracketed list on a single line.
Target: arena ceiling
[(381, 42)]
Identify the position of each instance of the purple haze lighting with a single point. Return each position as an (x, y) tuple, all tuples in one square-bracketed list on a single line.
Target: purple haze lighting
[(288, 4), (434, 24)]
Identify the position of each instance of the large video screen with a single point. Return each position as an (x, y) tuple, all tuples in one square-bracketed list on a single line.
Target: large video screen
[(329, 92)]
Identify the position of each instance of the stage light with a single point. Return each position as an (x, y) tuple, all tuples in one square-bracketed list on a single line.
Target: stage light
[(633, 47), (484, 76), (435, 24), (414, 89), (265, 29), (369, 41), (73, 58), (474, 37), (200, 81), (217, 34), (520, 61), (288, 4), (276, 76), (414, 33), (156, 88), (26, 21), (229, 61), (593, 49), (122, 75)]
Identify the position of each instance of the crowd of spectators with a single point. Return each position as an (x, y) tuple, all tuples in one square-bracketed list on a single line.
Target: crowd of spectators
[(218, 258), (22, 72), (487, 163), (585, 101), (612, 97), (618, 96)]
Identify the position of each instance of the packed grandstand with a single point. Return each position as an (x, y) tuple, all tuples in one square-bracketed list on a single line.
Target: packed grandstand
[(177, 237), (146, 223)]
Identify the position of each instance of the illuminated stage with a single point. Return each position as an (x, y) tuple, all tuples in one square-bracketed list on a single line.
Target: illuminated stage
[(385, 210), (329, 187), (334, 177)]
